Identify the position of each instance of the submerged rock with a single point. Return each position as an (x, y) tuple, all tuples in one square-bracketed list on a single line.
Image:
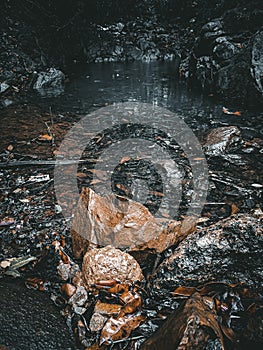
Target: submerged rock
[(50, 81), (107, 264), (228, 251)]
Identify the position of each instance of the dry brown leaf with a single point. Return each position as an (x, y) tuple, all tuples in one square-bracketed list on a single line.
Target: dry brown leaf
[(234, 209), (119, 328)]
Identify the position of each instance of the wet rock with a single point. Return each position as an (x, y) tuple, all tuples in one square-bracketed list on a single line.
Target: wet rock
[(212, 29), (123, 223), (108, 220), (109, 263), (3, 87), (224, 49), (257, 61), (205, 70), (228, 251), (97, 322), (222, 140), (51, 80)]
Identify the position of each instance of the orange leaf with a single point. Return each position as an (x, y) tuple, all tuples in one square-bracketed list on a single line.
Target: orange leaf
[(45, 137), (119, 328)]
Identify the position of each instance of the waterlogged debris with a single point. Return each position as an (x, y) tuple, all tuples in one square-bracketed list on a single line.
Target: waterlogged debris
[(37, 284), (187, 328), (120, 328), (227, 111), (7, 222), (109, 263), (39, 178), (102, 312), (12, 265)]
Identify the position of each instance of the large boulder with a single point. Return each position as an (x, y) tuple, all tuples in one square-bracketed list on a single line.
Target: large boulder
[(228, 251)]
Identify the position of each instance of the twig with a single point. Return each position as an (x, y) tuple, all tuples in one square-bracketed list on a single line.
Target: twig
[(47, 162)]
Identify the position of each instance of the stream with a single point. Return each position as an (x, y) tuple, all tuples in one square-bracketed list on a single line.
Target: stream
[(31, 218)]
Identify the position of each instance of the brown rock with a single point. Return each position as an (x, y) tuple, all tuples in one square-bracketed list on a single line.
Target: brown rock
[(122, 223), (109, 263)]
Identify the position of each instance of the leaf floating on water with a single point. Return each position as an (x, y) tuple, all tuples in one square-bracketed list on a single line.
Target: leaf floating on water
[(227, 111), (119, 328)]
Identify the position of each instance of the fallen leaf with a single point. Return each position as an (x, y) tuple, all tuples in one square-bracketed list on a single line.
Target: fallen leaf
[(234, 209), (107, 309), (68, 289), (132, 302), (119, 328), (226, 111), (7, 222), (36, 283), (186, 328), (124, 160), (45, 138)]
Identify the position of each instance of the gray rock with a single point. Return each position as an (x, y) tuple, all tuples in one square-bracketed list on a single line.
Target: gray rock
[(212, 29), (257, 61), (52, 81), (228, 251), (134, 53), (222, 140), (205, 69), (3, 87), (224, 49)]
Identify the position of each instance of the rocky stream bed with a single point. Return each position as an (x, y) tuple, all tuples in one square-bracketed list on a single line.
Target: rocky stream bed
[(133, 269)]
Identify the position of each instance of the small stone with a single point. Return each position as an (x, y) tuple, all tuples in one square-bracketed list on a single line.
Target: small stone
[(97, 322), (109, 263), (220, 140)]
